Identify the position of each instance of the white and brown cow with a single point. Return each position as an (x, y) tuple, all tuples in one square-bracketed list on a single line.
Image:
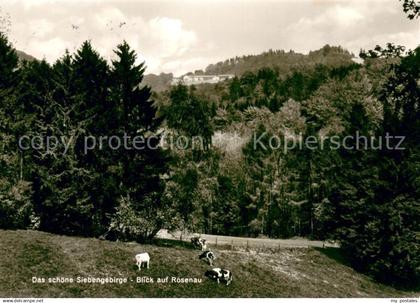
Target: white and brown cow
[(220, 275), (199, 243), (208, 256)]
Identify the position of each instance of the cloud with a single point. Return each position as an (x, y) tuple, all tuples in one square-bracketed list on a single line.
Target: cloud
[(333, 18), (31, 4), (171, 38), (409, 40), (41, 27), (345, 16), (192, 34), (107, 17), (353, 25), (51, 48), (156, 41)]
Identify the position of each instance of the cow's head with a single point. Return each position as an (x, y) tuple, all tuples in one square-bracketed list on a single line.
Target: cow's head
[(211, 274)]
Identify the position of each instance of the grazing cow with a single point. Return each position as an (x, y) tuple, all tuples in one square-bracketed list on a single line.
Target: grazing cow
[(142, 258), (220, 274), (199, 242), (208, 256)]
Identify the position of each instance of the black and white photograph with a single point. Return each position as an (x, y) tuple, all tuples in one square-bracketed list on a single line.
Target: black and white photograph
[(201, 149)]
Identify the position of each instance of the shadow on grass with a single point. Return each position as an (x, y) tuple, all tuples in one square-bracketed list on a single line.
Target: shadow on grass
[(172, 243), (335, 254)]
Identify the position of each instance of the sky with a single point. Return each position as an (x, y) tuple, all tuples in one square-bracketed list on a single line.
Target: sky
[(179, 36)]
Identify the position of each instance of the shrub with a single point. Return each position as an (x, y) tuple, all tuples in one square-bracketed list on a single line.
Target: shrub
[(128, 224), (16, 209)]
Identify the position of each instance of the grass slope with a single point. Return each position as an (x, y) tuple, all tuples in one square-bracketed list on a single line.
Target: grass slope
[(284, 273)]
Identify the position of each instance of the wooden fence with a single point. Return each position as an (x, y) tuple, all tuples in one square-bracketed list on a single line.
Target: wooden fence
[(246, 243)]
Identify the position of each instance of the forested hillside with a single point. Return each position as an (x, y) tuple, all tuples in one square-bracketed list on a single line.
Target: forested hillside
[(24, 56), (283, 61), (159, 82), (364, 194)]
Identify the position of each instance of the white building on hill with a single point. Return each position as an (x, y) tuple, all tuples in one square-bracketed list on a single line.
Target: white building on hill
[(199, 79)]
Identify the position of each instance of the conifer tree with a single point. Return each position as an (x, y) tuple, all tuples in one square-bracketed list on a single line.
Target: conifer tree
[(15, 191), (141, 168)]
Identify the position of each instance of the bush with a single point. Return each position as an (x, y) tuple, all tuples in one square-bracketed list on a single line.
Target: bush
[(128, 224), (16, 209)]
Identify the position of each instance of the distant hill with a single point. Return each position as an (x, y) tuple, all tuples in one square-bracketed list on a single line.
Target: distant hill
[(158, 82), (280, 59), (24, 56), (285, 62)]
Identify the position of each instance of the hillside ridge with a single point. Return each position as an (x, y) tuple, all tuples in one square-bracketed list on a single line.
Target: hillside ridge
[(283, 61)]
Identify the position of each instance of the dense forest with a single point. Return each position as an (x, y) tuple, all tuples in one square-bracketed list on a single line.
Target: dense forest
[(367, 198)]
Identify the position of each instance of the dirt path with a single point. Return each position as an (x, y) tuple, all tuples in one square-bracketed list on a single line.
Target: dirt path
[(216, 240)]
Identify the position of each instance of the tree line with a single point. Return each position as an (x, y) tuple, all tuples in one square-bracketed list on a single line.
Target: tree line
[(109, 192)]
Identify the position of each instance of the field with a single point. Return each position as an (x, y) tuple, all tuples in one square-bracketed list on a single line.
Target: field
[(284, 272)]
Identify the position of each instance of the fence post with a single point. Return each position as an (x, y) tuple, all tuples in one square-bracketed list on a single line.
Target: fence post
[(231, 245), (247, 244), (216, 241)]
